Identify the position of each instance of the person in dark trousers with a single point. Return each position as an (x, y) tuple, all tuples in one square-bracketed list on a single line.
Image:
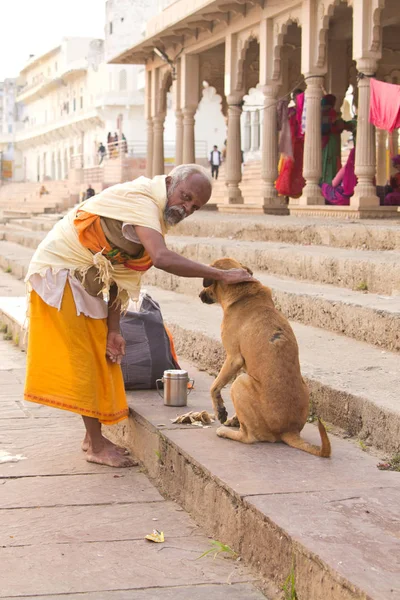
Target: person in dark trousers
[(101, 152), (89, 192), (215, 161)]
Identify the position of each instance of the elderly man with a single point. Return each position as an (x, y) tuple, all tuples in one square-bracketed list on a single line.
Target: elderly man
[(82, 276)]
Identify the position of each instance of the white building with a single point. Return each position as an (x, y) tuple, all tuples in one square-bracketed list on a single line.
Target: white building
[(70, 99), (10, 158)]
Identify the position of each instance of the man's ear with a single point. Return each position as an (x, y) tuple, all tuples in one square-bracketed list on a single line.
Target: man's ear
[(207, 282)]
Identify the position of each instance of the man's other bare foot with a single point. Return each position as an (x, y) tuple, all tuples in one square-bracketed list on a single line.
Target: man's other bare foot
[(107, 442), (110, 457)]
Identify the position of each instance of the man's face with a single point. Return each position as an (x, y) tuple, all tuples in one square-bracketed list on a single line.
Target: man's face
[(187, 197)]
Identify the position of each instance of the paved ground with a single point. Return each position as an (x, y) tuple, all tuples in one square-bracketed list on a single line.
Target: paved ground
[(76, 529)]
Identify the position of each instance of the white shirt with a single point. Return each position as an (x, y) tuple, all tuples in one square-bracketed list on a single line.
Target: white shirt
[(215, 158), (51, 287)]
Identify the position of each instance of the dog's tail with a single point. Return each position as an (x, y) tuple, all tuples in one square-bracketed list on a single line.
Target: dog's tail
[(295, 441)]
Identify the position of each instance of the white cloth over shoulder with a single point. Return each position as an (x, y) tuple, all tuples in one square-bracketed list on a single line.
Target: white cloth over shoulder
[(140, 202)]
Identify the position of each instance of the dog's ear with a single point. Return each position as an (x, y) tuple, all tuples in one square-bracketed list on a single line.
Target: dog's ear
[(207, 282), (247, 269)]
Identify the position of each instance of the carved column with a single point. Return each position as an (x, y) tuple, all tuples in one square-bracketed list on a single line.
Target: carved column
[(365, 192), (269, 157), (312, 166), (158, 145), (255, 130), (233, 151), (247, 131), (179, 138), (149, 154), (381, 170), (188, 135), (395, 148)]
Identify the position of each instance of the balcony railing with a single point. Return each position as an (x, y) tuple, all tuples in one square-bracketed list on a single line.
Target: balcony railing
[(134, 149), (26, 131)]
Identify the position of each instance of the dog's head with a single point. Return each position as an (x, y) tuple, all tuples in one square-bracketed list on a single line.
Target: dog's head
[(211, 289)]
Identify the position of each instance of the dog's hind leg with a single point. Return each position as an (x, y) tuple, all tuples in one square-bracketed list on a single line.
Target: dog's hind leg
[(229, 369), (232, 422)]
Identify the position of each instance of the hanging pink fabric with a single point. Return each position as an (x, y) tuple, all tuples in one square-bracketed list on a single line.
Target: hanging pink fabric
[(349, 178), (299, 111), (384, 109)]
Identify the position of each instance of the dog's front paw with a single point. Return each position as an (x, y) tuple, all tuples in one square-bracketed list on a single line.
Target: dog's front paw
[(222, 414)]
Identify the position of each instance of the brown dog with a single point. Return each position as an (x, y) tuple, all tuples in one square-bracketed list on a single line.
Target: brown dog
[(271, 399)]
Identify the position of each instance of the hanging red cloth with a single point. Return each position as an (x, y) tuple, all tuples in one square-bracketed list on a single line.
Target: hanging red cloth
[(384, 109)]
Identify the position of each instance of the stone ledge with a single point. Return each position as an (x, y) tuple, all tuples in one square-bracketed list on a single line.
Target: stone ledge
[(377, 271), (252, 209), (365, 235), (365, 317), (345, 212)]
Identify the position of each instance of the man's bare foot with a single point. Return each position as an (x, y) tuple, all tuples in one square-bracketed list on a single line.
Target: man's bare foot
[(110, 457), (107, 442)]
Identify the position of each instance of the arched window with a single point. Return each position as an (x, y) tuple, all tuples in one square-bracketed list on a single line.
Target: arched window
[(122, 80)]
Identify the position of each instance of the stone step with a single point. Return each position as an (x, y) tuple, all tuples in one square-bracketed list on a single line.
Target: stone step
[(25, 238), (365, 317), (368, 235), (376, 272), (284, 512), (15, 259), (41, 223)]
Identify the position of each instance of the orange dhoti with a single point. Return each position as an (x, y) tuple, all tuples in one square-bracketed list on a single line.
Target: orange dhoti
[(66, 364)]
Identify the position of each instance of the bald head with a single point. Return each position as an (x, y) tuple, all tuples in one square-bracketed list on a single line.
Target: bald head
[(188, 189)]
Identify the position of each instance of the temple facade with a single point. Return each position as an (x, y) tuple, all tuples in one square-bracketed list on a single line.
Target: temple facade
[(258, 51)]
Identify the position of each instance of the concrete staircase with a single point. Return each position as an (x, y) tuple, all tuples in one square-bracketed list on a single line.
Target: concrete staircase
[(334, 523), (23, 199)]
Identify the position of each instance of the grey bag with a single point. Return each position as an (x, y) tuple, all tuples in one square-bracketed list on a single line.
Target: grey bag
[(148, 347)]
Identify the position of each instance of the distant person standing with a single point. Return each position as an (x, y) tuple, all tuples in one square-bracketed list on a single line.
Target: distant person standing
[(124, 145), (89, 192), (110, 141), (101, 152), (215, 161)]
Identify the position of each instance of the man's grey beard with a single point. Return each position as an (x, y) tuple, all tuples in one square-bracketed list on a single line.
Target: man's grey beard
[(174, 214)]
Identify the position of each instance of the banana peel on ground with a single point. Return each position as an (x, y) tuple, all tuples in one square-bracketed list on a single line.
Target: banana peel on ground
[(195, 418), (156, 536)]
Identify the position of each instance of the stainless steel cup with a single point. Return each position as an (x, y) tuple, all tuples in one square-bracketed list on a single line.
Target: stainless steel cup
[(176, 390)]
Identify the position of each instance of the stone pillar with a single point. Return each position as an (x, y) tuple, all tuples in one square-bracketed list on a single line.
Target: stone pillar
[(188, 135), (149, 153), (158, 145), (381, 170), (269, 157), (365, 192), (395, 148), (179, 138), (247, 131), (255, 130), (312, 166), (233, 151)]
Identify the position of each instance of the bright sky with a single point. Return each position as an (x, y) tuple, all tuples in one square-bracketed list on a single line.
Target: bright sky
[(35, 26)]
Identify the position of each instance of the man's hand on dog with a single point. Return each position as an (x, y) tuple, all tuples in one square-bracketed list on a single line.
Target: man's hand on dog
[(237, 276)]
